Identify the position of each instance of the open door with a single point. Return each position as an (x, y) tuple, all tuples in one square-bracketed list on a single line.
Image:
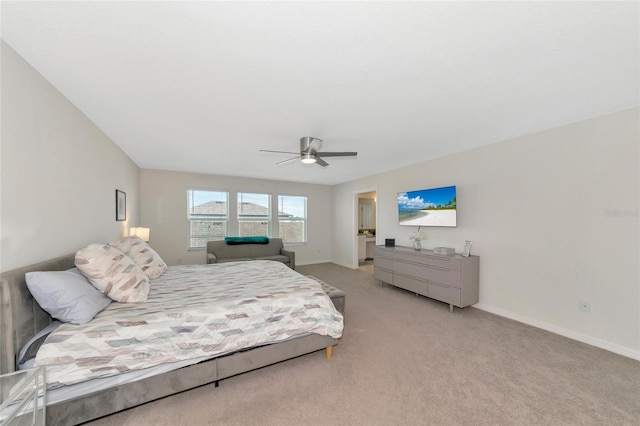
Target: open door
[(366, 206)]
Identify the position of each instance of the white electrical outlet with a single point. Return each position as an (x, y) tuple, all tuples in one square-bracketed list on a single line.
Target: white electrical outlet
[(585, 306)]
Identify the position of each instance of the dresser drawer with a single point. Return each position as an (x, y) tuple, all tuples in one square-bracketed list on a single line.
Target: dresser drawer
[(383, 275), (449, 295), (445, 262), (383, 262), (384, 252), (408, 257), (448, 277), (412, 270), (411, 284)]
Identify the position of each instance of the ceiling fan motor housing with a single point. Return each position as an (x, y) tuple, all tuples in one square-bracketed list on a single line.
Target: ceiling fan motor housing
[(305, 145)]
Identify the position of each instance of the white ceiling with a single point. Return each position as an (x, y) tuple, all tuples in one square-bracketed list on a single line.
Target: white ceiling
[(202, 86)]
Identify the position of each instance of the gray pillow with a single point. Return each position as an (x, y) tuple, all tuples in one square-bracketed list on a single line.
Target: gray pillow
[(27, 354), (66, 295)]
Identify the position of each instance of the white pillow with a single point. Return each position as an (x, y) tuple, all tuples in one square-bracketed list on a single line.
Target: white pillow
[(66, 295), (142, 254), (113, 273)]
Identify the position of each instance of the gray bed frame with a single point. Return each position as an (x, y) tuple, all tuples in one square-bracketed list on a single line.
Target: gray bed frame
[(21, 318)]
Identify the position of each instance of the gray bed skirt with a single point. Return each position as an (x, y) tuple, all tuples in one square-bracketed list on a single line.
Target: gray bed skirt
[(22, 318)]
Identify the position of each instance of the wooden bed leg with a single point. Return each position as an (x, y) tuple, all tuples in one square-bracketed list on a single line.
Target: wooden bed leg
[(329, 351), (216, 384)]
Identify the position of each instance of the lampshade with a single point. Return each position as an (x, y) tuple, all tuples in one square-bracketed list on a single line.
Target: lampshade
[(143, 233)]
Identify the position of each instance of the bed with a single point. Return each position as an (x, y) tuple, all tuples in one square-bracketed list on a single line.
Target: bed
[(80, 401)]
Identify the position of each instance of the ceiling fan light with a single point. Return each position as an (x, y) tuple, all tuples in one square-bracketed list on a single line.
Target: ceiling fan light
[(308, 158)]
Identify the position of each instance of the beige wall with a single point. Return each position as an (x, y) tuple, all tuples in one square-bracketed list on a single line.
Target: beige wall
[(59, 172), (554, 217), (164, 210)]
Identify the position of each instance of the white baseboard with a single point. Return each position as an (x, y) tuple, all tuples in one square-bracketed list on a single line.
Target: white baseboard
[(343, 264), (313, 262), (602, 344)]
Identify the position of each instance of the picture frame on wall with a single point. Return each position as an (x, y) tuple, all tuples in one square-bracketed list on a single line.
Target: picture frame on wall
[(121, 205), (466, 251)]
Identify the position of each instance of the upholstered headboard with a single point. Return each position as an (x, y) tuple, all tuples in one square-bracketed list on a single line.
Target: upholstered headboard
[(20, 315)]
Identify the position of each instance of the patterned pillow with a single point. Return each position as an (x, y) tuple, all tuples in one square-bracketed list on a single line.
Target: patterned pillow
[(113, 273), (143, 255)]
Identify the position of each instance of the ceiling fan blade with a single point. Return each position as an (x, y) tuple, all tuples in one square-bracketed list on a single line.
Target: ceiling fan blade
[(336, 154), (278, 152), (310, 152), (297, 157), (321, 162)]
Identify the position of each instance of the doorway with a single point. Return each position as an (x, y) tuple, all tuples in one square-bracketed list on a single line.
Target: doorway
[(366, 229)]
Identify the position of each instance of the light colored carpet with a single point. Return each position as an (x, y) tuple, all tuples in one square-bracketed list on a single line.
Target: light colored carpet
[(405, 360)]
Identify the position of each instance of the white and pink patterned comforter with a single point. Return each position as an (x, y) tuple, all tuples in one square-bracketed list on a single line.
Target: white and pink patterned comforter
[(192, 311)]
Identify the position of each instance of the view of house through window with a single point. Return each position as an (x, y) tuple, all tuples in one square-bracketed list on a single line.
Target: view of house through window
[(292, 218), (208, 217), (253, 214)]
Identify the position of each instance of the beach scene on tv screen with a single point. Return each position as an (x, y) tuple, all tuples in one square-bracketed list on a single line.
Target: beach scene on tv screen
[(428, 207)]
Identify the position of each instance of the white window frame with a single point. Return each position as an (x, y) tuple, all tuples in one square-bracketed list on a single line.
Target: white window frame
[(300, 217), (193, 217), (257, 197)]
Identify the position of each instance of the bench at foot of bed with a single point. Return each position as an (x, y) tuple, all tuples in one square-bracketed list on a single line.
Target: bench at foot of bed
[(336, 295)]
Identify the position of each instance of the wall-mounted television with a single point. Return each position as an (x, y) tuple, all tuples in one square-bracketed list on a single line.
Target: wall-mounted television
[(428, 207)]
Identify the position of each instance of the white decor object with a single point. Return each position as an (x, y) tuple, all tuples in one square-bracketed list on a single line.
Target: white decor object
[(467, 248), (416, 237), (443, 250)]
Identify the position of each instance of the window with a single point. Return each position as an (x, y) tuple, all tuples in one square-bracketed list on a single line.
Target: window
[(208, 217), (292, 218), (253, 214)]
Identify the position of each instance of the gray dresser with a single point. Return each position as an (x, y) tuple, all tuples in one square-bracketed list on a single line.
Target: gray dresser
[(452, 279)]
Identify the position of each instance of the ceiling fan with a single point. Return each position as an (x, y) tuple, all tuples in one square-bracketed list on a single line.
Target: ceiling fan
[(310, 152)]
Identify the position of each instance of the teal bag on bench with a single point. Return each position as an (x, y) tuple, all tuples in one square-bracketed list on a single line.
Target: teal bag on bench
[(246, 240)]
